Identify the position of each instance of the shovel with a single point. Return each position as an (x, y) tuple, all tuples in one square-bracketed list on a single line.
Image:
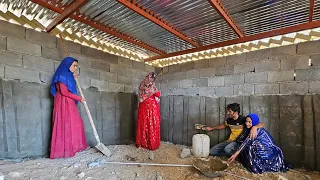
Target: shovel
[(100, 146)]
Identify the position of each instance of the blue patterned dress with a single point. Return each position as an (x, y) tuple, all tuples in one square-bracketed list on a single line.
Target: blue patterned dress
[(261, 154)]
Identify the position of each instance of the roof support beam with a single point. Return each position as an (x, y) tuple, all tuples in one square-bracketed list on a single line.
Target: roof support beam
[(311, 3), (217, 4), (66, 13), (287, 30), (101, 27), (138, 8)]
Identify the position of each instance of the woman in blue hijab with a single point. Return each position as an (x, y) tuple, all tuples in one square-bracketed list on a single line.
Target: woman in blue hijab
[(68, 136), (261, 154)]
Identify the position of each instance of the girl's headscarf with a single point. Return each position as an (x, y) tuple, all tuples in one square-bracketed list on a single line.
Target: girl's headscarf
[(147, 87), (254, 118), (65, 76)]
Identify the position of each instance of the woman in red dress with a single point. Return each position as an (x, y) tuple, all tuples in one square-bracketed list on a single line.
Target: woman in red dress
[(148, 126), (68, 136)]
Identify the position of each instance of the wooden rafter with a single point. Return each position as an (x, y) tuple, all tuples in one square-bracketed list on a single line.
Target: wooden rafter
[(311, 10), (217, 4), (287, 30), (150, 15), (102, 27), (66, 13)]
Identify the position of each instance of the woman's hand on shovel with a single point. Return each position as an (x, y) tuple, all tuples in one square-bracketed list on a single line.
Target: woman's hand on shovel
[(76, 76), (83, 100)]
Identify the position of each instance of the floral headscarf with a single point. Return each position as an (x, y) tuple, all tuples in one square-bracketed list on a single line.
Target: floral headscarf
[(147, 87)]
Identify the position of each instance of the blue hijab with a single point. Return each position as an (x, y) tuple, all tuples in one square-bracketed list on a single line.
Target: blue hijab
[(65, 76), (254, 118)]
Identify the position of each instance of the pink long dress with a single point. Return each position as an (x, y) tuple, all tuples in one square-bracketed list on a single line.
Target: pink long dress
[(68, 136)]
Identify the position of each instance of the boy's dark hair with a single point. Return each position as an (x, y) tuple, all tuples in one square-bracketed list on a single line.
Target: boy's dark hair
[(235, 107)]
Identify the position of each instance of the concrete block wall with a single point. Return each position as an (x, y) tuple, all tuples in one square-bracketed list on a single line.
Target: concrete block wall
[(26, 121), (292, 121), (277, 83), (281, 70), (28, 60), (32, 56)]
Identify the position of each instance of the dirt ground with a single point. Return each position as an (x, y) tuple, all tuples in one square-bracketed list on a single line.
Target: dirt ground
[(91, 164)]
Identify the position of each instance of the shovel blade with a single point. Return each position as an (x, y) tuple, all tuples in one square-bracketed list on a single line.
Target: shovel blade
[(102, 148)]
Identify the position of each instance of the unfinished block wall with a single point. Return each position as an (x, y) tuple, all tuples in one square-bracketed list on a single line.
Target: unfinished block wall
[(278, 84), (28, 60)]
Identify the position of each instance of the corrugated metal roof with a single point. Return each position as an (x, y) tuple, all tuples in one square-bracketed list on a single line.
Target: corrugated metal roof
[(196, 19), (256, 16)]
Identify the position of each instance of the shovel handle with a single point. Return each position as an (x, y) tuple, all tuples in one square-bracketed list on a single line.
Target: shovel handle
[(88, 113)]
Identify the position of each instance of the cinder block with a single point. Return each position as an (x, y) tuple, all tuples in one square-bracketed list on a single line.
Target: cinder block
[(187, 66), (124, 80), (138, 65), (3, 43), (256, 77), (224, 91), (258, 55), (219, 61), (234, 79), (294, 88), (89, 73), (10, 58), (174, 68), (22, 46), (165, 69), (91, 52), (46, 77), (314, 87), (201, 64), (12, 30), (124, 61), (289, 50), (311, 47), (117, 69), (216, 81), (315, 60), (21, 74), (136, 81), (202, 82), (41, 38), (207, 72), (2, 71), (266, 88), (194, 73), (128, 89), (107, 76), (281, 76), (100, 65), (170, 84), (85, 83), (52, 53), (236, 59), (167, 76), (101, 85), (110, 58), (71, 46), (190, 92), (267, 66), (178, 75), (224, 70), (244, 68), (244, 89), (207, 91), (133, 72), (149, 68), (295, 62), (186, 83), (115, 87), (38, 63), (83, 60), (308, 74)]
